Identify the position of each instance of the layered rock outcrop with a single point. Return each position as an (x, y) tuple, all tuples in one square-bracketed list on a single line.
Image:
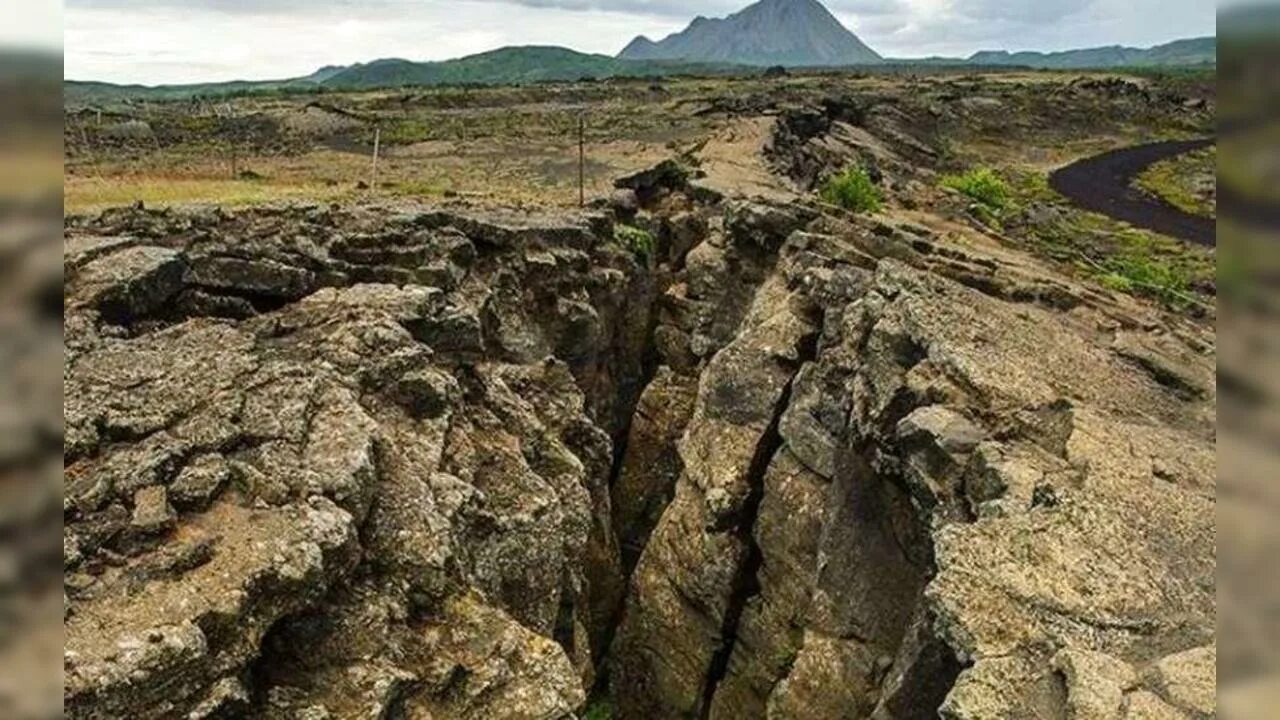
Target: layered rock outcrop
[(922, 478), (342, 463), (780, 464)]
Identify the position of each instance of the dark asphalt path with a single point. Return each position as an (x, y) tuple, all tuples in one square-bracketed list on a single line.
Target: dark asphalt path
[(1104, 184)]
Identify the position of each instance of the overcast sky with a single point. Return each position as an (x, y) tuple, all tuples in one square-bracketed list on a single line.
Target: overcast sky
[(31, 24), (174, 41)]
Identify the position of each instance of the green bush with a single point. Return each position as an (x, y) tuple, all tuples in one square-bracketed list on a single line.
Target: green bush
[(983, 186), (599, 710), (852, 190), (638, 240)]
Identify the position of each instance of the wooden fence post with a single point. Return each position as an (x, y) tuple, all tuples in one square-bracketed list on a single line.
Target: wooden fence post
[(377, 140), (582, 159)]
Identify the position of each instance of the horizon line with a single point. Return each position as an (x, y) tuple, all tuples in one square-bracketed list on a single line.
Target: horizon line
[(887, 60)]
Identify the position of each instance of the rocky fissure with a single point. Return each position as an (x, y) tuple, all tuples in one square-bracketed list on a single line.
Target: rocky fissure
[(747, 584), (783, 463)]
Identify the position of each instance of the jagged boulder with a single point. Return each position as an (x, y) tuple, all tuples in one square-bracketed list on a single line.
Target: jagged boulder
[(353, 494), (942, 517)]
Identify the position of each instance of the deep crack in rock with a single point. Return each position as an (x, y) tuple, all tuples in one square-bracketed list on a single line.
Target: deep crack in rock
[(747, 584), (793, 465)]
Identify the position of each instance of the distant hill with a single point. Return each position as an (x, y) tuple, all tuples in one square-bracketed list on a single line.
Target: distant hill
[(512, 65), (325, 73), (522, 65), (793, 33), (507, 66), (76, 93), (1195, 51)]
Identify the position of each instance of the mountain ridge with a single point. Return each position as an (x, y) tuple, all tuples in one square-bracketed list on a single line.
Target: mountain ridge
[(509, 65), (1187, 51), (503, 66), (796, 33), (531, 64)]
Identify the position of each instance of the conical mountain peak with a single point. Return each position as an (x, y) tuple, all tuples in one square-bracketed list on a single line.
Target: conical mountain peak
[(771, 32)]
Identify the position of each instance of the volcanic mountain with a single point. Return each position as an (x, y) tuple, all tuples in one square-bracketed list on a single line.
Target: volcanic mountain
[(793, 33)]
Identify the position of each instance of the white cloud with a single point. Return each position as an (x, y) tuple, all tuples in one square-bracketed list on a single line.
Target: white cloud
[(156, 45), (958, 28), (868, 8), (170, 41), (1022, 11)]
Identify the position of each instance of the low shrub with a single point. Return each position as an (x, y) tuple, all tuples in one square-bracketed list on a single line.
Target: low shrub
[(852, 190), (639, 241), (984, 186), (599, 710)]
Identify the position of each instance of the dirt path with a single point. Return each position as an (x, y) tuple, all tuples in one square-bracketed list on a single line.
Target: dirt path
[(1104, 184), (733, 160)]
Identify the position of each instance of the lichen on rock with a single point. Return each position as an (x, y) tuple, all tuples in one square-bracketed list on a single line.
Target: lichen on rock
[(349, 463)]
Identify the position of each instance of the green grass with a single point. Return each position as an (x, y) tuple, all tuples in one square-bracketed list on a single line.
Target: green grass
[(1147, 265), (1134, 261), (1140, 271), (1174, 181), (1114, 255), (1031, 186), (990, 193), (599, 710), (852, 190), (639, 241), (402, 131)]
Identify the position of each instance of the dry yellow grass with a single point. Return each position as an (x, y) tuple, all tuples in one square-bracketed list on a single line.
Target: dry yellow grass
[(88, 194), (512, 146), (499, 172)]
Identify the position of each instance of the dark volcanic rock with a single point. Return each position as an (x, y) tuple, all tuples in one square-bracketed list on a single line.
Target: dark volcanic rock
[(653, 183)]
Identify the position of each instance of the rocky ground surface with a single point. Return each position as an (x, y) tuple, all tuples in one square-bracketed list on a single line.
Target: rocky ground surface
[(518, 145), (770, 460)]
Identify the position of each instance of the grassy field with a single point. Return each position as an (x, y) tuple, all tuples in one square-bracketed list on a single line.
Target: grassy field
[(1187, 183), (1181, 275), (84, 194), (487, 151), (989, 139), (518, 145)]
